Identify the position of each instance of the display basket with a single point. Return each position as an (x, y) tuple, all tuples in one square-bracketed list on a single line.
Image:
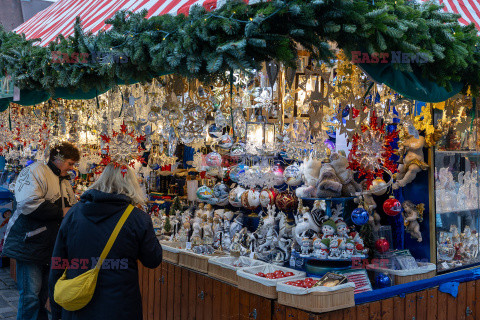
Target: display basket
[(171, 250), (197, 262), (248, 281), (225, 268), (424, 271), (316, 299)]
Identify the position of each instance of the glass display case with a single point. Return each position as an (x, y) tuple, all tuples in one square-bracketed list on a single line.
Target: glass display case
[(456, 162)]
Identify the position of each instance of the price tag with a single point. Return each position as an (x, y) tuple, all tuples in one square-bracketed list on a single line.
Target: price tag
[(188, 246), (16, 94), (445, 265)]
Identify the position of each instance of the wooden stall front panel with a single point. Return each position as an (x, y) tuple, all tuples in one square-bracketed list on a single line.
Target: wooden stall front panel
[(173, 292)]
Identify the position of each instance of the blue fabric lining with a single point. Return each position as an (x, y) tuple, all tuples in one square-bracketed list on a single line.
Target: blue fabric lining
[(402, 289)]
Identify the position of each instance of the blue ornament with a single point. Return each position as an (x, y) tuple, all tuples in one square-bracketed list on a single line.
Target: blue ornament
[(383, 281), (346, 112), (360, 216)]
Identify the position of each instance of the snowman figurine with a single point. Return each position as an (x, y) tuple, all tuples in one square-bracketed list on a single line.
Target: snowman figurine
[(317, 248), (324, 249), (334, 248), (349, 251), (328, 229), (306, 246)]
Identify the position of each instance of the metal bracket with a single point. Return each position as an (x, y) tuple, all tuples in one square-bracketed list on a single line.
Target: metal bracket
[(253, 314), (162, 279), (468, 312), (201, 295)]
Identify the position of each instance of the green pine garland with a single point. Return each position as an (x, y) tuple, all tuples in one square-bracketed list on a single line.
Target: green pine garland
[(204, 45)]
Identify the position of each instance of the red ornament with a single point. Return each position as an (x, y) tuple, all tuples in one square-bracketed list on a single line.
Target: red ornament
[(392, 206), (382, 245), (286, 201)]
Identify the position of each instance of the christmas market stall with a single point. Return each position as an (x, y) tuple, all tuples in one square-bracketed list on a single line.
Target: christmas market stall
[(302, 159)]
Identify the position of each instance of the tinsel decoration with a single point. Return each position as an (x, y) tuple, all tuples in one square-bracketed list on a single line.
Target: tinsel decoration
[(381, 151)]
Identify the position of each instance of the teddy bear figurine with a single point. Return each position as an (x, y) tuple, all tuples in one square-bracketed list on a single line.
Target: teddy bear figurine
[(329, 185), (411, 150), (340, 163)]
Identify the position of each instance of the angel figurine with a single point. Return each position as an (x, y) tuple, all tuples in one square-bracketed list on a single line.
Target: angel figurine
[(412, 215)]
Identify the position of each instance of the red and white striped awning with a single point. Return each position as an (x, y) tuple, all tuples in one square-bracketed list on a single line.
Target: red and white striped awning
[(59, 18), (468, 9)]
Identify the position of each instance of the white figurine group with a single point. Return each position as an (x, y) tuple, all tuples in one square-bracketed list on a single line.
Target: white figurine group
[(451, 194)]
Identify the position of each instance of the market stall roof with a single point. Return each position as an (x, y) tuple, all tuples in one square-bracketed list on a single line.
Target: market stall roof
[(468, 9), (59, 18)]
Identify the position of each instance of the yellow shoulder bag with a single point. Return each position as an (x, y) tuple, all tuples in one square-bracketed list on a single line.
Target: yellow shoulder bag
[(74, 294)]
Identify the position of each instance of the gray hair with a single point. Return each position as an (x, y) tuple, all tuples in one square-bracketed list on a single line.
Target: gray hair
[(113, 180)]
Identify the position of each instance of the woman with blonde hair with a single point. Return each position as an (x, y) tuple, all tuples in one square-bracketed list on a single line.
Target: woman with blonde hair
[(83, 235)]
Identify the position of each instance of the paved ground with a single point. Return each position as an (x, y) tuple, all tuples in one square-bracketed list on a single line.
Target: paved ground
[(8, 295)]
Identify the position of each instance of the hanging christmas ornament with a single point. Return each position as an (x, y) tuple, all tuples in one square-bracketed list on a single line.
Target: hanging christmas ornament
[(204, 193), (292, 175), (221, 192), (267, 197), (383, 281), (220, 120), (236, 172), (235, 196), (237, 149), (225, 142), (214, 131), (360, 216), (382, 245), (378, 187), (278, 172), (392, 206), (286, 201), (213, 159), (250, 199)]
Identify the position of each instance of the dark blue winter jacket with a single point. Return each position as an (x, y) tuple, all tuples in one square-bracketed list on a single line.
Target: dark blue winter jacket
[(83, 235)]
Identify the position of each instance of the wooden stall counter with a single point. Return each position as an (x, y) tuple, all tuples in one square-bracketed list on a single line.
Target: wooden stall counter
[(174, 292)]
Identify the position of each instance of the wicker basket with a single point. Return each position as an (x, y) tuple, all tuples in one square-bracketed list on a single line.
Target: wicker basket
[(426, 271), (223, 274), (195, 261), (222, 268), (171, 251), (319, 301), (263, 287), (257, 288)]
